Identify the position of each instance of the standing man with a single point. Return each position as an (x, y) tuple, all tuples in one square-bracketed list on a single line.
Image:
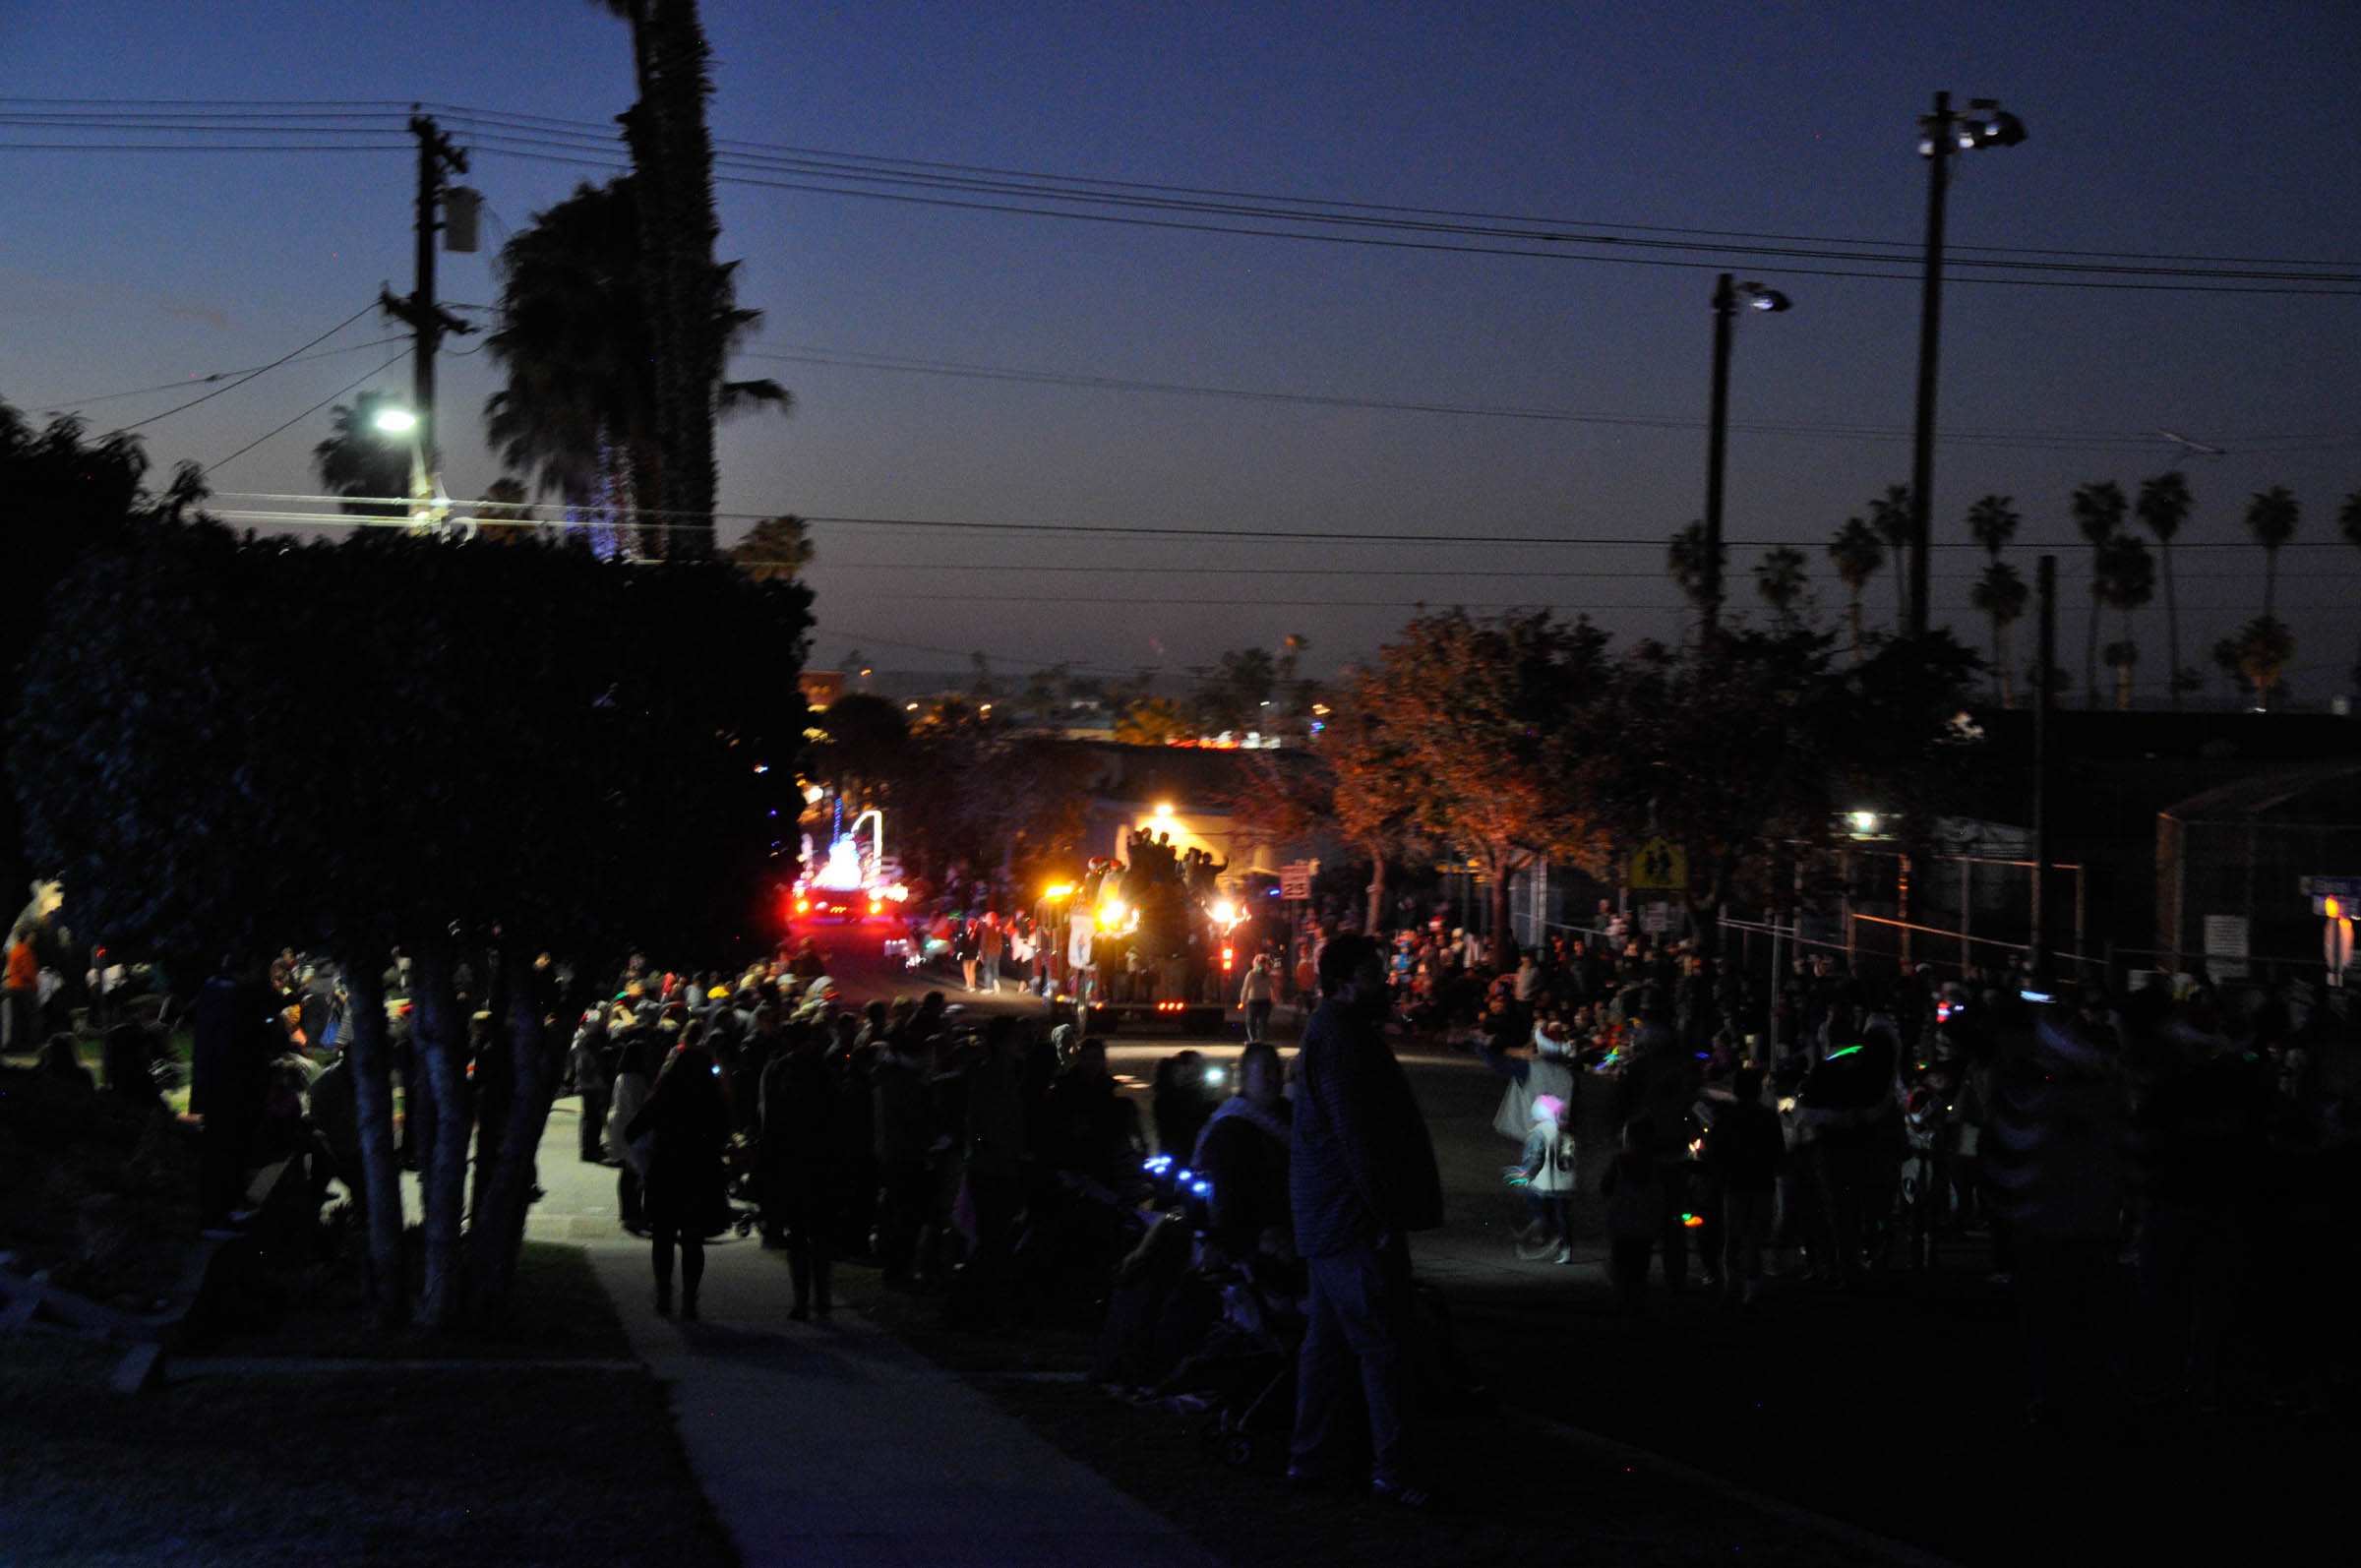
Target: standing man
[(229, 1059), (1256, 995), (1362, 1178)]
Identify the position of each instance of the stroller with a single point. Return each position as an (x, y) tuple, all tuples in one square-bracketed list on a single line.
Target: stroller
[(1244, 1368)]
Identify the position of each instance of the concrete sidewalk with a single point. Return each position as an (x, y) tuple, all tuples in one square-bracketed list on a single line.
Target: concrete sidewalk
[(825, 1444)]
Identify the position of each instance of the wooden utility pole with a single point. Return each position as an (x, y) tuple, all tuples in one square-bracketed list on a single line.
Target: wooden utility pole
[(1930, 326), (427, 321), (2044, 693)]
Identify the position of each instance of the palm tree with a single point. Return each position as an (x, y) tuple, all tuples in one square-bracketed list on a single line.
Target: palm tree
[(2164, 506), (2125, 580), (581, 411), (1780, 577), (359, 460), (774, 549), (2000, 593), (1857, 551), (1993, 521), (2271, 516), (2099, 515), (1685, 559), (1890, 515), (672, 149)]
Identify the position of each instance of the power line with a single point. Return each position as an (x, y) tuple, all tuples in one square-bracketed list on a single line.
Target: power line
[(574, 134), (637, 519), (63, 404), (1137, 221), (282, 359), (308, 412), (851, 359)]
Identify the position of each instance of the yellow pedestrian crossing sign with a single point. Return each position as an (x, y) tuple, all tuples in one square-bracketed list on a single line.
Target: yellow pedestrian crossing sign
[(1660, 865)]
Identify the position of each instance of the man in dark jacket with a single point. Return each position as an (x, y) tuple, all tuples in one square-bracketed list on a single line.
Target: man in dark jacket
[(1362, 1177), (230, 1059), (1743, 1150)]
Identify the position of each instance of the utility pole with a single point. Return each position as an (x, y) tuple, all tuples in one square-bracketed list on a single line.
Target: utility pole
[(427, 321), (2044, 680), (1941, 136), (1938, 128), (1726, 306)]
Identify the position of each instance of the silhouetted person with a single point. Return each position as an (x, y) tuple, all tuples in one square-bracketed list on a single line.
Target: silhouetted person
[(1362, 1177), (687, 1118)]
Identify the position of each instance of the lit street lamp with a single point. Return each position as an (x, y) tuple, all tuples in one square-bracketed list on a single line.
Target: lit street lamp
[(1942, 137), (1727, 299)]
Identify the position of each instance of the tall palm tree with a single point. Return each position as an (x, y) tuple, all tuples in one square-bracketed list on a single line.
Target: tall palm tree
[(1890, 515), (1993, 521), (359, 460), (582, 410), (2271, 516), (2125, 580), (677, 226), (2164, 504), (1857, 551), (1685, 561), (2000, 593), (1780, 577), (2099, 517)]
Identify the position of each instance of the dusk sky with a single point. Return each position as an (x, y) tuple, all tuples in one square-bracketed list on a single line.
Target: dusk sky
[(2219, 130)]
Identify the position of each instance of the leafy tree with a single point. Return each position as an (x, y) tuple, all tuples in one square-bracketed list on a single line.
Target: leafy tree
[(477, 755), (864, 747), (2000, 595), (2164, 506), (356, 458), (1890, 515), (2271, 516), (1486, 725), (581, 411), (1237, 694), (774, 549), (2257, 656), (2126, 579), (1685, 559), (1857, 551), (1780, 578), (980, 686), (1817, 737), (1152, 721), (1374, 792), (60, 494), (504, 515)]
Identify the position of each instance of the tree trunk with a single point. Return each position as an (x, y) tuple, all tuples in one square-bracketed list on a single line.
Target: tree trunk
[(1376, 889), (498, 1234), (2173, 627), (2270, 581), (1999, 668), (687, 369), (439, 1037), (372, 1102), (1852, 613), (1505, 944)]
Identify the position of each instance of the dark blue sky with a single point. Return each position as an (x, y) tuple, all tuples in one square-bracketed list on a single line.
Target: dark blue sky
[(2208, 129)]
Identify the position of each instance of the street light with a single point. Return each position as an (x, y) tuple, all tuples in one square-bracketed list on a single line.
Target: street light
[(1942, 137), (1727, 296), (394, 421)]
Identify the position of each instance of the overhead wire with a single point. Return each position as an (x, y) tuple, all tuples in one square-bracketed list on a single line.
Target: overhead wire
[(307, 413), (65, 404), (241, 381), (581, 144)]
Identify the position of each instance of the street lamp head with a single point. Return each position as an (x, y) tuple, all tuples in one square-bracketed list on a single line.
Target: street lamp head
[(394, 421), (1768, 299), (2003, 130)]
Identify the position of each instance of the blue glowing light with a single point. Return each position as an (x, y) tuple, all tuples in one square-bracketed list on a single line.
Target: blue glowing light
[(1201, 1188)]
